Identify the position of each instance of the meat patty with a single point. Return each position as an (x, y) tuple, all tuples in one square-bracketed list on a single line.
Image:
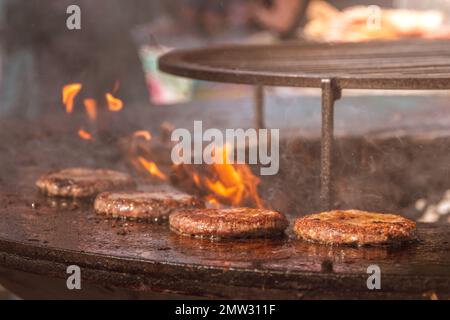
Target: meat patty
[(228, 223), (148, 206), (354, 227), (83, 182)]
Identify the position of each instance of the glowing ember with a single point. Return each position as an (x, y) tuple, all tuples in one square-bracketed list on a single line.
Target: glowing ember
[(91, 108), (143, 134), (83, 134), (114, 104), (151, 168), (69, 93)]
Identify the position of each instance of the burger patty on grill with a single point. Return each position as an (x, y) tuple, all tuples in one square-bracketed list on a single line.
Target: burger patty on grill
[(149, 206), (228, 223), (83, 182), (354, 227)]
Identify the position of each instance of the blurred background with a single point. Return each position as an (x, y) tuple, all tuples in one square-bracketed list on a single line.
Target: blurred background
[(121, 40)]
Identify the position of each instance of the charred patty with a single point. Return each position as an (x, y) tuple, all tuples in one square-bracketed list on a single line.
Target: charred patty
[(228, 223), (149, 206), (83, 182), (355, 227)]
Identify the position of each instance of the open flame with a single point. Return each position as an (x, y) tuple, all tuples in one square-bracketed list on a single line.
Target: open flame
[(233, 182), (83, 134), (151, 168), (221, 183), (144, 134), (91, 108), (212, 202), (69, 93), (224, 182), (114, 104), (139, 161)]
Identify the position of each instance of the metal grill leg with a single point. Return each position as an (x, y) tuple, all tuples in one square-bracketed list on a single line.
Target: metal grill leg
[(259, 107), (330, 93)]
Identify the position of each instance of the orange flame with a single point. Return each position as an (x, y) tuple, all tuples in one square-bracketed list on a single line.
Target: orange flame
[(69, 93), (114, 104), (144, 134), (83, 134), (234, 184), (152, 168), (212, 202), (91, 108), (221, 182), (196, 179)]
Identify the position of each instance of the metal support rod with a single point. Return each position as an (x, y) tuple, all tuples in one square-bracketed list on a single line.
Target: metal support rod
[(330, 93), (259, 107)]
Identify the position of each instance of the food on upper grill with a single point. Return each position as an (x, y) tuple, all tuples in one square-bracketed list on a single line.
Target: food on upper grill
[(83, 182), (228, 223), (355, 227), (148, 206), (362, 23)]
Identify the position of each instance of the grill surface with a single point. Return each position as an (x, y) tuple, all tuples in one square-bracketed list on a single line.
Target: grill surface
[(44, 240), (150, 257), (56, 233), (418, 64)]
